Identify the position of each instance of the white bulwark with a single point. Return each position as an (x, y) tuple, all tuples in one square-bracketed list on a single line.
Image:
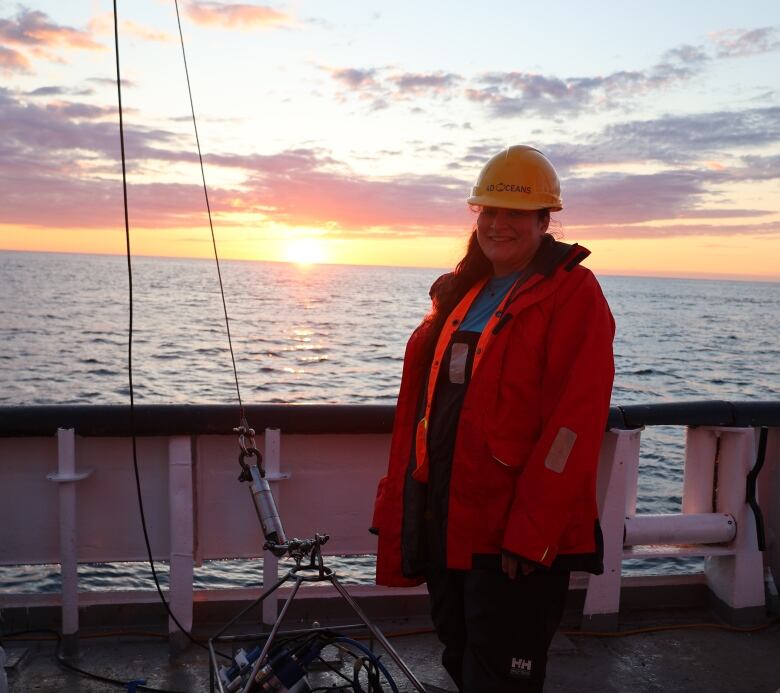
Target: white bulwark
[(67, 496)]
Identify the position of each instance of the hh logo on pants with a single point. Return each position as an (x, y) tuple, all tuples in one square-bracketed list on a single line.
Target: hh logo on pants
[(521, 667)]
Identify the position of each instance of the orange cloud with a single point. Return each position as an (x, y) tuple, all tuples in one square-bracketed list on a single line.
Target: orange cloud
[(235, 16), (36, 31), (103, 24), (145, 33), (13, 61)]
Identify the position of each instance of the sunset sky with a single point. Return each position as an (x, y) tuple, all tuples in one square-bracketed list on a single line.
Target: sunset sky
[(351, 132)]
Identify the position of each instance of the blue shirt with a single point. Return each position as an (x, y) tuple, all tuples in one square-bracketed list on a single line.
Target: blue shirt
[(487, 302)]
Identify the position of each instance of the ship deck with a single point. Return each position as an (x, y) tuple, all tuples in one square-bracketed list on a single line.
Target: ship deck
[(682, 659)]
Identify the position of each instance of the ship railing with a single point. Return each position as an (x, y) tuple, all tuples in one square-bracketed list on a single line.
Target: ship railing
[(67, 496), (729, 514)]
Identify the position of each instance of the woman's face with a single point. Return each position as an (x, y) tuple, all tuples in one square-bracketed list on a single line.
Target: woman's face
[(510, 237)]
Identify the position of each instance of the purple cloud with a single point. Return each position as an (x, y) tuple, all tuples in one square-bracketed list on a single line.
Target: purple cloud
[(45, 182), (380, 86), (509, 94), (424, 83), (679, 140), (619, 198), (355, 78), (702, 154), (738, 43), (59, 168), (111, 82), (59, 91), (513, 93)]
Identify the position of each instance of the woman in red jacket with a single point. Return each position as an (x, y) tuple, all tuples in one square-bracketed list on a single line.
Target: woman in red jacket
[(490, 495)]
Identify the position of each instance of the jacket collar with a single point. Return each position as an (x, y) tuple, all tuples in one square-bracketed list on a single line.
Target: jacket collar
[(550, 256)]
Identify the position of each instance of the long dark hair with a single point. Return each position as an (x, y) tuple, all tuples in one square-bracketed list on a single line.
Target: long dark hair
[(449, 289)]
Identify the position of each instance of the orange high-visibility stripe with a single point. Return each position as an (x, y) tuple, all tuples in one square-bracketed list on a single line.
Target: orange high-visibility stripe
[(451, 325)]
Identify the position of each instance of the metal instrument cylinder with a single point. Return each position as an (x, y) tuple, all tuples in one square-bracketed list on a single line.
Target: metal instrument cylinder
[(266, 509)]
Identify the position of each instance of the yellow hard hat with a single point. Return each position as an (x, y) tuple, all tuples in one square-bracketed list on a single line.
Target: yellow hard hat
[(520, 177)]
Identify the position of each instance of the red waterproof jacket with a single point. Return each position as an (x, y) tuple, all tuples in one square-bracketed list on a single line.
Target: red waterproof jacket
[(523, 476)]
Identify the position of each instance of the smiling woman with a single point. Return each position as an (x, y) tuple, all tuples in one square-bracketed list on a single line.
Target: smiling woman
[(490, 496), (305, 251)]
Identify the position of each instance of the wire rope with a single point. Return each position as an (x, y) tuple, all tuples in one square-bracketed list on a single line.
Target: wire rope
[(208, 210), (130, 347)]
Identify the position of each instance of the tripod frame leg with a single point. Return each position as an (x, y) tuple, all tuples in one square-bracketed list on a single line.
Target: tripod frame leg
[(298, 580), (272, 635), (378, 634)]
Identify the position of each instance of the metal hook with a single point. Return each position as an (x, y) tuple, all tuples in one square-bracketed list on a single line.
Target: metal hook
[(245, 431), (246, 474)]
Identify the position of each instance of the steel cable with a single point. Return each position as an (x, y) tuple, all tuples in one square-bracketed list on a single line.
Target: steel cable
[(208, 209), (130, 346)]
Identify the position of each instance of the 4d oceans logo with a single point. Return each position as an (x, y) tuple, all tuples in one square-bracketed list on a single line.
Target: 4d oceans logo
[(508, 187)]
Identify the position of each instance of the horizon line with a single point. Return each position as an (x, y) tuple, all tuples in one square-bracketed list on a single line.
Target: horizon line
[(695, 276)]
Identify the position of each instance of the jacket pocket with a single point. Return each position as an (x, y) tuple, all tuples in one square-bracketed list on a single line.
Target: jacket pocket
[(508, 454)]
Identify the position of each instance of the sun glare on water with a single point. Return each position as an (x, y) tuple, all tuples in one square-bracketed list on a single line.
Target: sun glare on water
[(305, 251)]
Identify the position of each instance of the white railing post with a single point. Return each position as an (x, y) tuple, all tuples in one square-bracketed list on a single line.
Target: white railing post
[(65, 475), (699, 475), (618, 465), (271, 463), (737, 580), (630, 460), (181, 522)]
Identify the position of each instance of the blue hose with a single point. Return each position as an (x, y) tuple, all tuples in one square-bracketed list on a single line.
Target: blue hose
[(372, 657)]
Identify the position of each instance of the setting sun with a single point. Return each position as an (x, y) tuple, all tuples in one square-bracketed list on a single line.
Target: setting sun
[(305, 251)]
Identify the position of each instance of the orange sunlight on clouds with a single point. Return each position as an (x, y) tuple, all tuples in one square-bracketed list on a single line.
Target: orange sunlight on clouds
[(744, 256)]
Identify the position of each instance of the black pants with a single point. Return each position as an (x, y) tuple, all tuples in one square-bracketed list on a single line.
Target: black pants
[(496, 631)]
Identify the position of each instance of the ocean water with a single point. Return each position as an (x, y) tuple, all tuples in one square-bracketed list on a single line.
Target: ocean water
[(336, 334)]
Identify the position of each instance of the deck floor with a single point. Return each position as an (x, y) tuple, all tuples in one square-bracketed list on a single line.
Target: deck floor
[(695, 661)]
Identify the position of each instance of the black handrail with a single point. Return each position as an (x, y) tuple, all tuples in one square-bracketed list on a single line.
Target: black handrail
[(217, 419)]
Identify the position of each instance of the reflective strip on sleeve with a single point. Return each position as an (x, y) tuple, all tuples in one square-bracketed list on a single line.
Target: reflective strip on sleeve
[(560, 449)]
